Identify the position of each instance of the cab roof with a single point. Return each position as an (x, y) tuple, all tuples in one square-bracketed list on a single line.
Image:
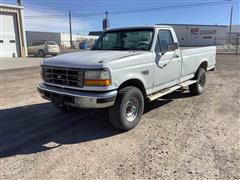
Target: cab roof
[(140, 27)]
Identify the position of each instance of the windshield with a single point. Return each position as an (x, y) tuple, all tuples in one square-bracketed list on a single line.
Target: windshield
[(137, 39)]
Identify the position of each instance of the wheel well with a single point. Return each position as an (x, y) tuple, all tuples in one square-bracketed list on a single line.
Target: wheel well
[(136, 83), (204, 65)]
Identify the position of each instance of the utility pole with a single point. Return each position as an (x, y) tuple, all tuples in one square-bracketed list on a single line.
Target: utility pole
[(106, 15), (108, 22), (105, 22), (19, 2), (70, 27), (230, 26)]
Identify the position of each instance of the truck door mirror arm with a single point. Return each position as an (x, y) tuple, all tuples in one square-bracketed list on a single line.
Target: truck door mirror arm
[(172, 46)]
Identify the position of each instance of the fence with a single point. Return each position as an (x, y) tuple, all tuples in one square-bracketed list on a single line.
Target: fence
[(228, 45)]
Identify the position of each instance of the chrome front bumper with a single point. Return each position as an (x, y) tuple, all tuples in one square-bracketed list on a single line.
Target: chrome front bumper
[(77, 98)]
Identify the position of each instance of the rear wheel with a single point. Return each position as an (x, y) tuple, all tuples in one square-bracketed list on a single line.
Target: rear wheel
[(41, 53), (199, 87), (128, 108)]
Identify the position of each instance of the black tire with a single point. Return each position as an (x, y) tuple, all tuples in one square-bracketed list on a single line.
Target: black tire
[(128, 108), (199, 87), (41, 53)]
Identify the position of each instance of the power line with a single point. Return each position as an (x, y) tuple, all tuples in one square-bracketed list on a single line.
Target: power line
[(179, 6), (146, 4), (91, 19), (143, 10), (189, 5)]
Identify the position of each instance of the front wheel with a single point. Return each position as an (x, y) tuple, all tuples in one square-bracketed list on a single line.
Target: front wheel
[(128, 108), (199, 87)]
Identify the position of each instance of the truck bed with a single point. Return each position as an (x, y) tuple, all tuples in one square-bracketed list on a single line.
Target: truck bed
[(194, 47), (204, 52), (193, 56)]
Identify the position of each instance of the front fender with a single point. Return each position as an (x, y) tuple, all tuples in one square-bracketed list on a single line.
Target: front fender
[(132, 76), (143, 73)]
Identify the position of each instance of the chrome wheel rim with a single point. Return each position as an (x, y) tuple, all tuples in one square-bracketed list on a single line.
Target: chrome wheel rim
[(132, 109)]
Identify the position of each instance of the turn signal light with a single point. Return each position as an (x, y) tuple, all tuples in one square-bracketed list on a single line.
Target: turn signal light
[(98, 82)]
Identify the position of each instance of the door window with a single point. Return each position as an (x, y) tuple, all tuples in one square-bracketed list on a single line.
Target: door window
[(164, 39)]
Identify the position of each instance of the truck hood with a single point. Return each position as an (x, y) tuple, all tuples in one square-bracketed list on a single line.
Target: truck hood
[(89, 59)]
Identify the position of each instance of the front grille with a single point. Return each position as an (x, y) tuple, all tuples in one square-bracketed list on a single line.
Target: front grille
[(63, 76)]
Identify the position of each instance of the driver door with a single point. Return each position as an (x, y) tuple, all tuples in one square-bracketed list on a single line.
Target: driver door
[(168, 62)]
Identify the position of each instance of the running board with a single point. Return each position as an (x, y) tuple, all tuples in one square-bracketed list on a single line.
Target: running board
[(187, 83), (170, 90)]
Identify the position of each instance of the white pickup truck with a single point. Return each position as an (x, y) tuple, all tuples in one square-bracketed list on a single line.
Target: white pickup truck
[(126, 68)]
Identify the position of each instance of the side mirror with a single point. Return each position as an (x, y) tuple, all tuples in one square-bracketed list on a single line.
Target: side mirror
[(172, 46)]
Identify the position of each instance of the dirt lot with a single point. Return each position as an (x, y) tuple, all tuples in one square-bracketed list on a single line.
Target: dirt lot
[(179, 137)]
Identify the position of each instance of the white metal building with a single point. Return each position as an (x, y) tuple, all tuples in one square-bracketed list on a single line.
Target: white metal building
[(12, 33), (62, 39), (200, 35)]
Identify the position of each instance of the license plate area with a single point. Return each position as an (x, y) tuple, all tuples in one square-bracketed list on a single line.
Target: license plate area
[(57, 99)]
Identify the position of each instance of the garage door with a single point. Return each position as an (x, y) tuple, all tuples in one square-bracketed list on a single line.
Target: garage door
[(8, 36)]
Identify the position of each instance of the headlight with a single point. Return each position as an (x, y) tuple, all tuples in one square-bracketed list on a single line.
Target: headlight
[(97, 78)]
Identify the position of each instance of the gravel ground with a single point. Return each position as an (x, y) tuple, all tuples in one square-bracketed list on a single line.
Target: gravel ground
[(179, 137), (16, 63)]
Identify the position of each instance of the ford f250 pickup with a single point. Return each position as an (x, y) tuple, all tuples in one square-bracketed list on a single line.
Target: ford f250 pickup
[(126, 68)]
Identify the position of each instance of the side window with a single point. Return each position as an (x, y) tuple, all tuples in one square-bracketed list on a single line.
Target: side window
[(164, 39)]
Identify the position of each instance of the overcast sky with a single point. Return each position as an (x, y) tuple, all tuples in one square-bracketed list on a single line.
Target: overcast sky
[(52, 15)]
